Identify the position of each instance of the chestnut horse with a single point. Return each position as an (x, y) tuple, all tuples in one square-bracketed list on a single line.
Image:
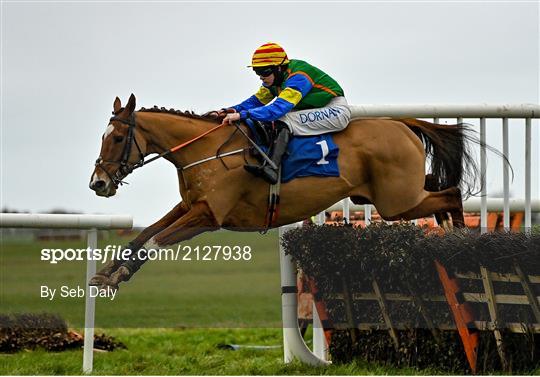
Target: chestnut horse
[(381, 161)]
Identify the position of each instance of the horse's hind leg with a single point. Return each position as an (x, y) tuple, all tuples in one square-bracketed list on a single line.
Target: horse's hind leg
[(448, 200), (432, 184), (458, 220)]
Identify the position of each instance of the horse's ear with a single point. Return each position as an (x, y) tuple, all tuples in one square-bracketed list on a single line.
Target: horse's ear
[(130, 107), (117, 105)]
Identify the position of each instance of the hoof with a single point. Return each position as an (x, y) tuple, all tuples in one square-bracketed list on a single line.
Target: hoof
[(103, 282), (120, 275), (99, 280)]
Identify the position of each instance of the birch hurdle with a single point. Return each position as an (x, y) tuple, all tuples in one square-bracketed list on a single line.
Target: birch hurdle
[(294, 345)]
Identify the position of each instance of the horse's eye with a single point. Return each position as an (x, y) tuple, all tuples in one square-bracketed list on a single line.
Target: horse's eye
[(118, 139)]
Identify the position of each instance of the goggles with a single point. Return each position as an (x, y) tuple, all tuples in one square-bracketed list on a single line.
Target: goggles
[(263, 71)]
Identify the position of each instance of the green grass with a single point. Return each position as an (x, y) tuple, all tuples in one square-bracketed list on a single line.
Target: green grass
[(170, 315), (184, 352), (162, 294)]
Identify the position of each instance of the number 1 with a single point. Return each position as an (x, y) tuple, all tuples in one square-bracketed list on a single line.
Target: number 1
[(325, 151)]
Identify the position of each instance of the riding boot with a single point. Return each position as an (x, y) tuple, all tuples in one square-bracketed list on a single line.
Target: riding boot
[(280, 147)]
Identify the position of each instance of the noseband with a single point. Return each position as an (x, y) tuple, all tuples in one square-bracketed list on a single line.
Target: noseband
[(125, 167)]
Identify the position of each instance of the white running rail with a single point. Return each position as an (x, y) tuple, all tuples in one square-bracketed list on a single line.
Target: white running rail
[(527, 112), (91, 223)]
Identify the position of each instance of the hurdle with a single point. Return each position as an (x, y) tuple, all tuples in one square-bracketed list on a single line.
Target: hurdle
[(294, 345), (90, 223)]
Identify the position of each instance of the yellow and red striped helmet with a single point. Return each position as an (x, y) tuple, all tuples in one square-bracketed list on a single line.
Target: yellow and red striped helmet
[(269, 54)]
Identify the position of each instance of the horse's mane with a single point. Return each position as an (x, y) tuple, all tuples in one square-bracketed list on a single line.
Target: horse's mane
[(185, 113)]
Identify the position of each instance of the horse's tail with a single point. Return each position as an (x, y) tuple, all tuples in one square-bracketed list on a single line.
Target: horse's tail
[(452, 161)]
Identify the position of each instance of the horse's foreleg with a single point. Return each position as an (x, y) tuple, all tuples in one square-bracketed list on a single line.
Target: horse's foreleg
[(448, 200), (176, 213), (197, 220), (112, 265)]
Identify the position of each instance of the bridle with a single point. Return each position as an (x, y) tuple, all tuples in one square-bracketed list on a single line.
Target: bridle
[(125, 167)]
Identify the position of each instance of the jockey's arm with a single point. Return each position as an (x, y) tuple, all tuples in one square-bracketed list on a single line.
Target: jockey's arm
[(261, 98), (296, 87)]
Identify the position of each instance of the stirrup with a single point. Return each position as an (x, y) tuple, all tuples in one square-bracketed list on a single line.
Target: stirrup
[(270, 175), (263, 171), (253, 169)]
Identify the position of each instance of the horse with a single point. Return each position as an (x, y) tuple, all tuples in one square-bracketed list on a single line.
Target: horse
[(381, 161)]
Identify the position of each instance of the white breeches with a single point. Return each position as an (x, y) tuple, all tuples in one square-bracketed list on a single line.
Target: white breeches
[(333, 117)]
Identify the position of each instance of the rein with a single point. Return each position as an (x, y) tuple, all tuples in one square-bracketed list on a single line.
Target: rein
[(126, 168), (180, 146)]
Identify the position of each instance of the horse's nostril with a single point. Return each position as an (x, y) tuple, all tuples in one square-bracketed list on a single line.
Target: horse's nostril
[(97, 185)]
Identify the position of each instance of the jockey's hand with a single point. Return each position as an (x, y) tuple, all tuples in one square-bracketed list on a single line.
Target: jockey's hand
[(231, 117), (223, 112)]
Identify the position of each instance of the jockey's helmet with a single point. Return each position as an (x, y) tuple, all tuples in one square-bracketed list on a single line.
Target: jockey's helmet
[(269, 54)]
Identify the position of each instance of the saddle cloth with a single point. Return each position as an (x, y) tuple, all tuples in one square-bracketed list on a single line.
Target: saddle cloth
[(310, 156), (306, 155)]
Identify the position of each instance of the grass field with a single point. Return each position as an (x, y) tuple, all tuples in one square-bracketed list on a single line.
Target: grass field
[(171, 315), (162, 294), (184, 352)]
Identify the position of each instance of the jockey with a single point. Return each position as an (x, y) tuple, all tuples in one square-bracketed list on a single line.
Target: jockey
[(298, 97)]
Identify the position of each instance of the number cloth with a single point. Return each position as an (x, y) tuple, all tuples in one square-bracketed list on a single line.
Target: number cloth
[(310, 156)]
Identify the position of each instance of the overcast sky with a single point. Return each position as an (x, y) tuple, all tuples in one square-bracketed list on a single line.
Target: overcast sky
[(63, 63)]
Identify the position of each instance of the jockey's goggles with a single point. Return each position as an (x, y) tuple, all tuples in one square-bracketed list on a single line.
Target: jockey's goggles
[(263, 71)]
